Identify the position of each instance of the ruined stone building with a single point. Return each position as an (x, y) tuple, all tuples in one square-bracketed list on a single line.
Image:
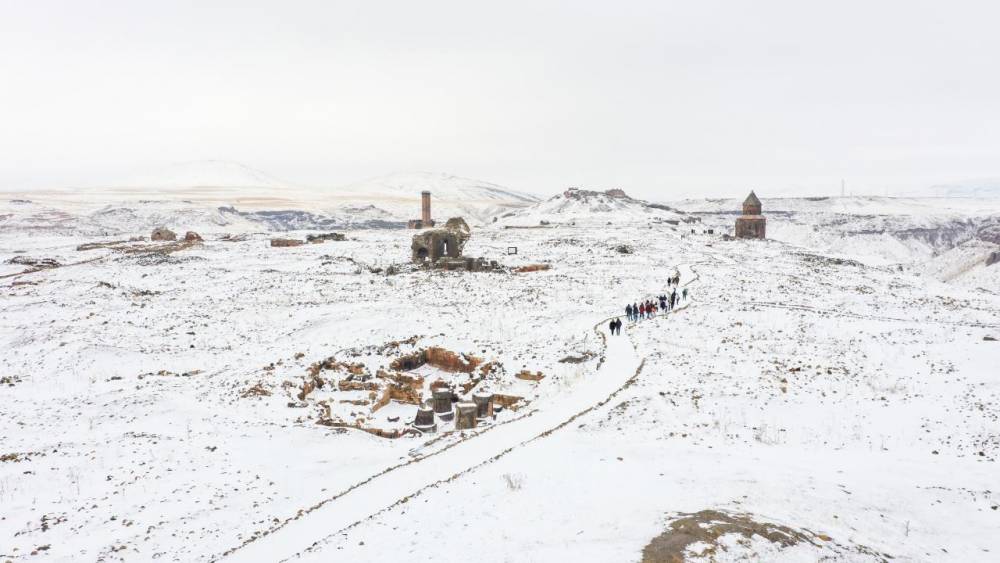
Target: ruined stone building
[(442, 248), (751, 224), (425, 221), (431, 246)]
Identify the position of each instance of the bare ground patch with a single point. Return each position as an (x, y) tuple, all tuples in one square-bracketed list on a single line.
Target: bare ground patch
[(709, 534)]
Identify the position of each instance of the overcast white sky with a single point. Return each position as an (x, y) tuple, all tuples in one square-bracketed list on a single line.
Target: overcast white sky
[(658, 97)]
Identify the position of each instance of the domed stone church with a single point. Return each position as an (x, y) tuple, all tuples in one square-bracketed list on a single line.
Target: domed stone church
[(751, 224)]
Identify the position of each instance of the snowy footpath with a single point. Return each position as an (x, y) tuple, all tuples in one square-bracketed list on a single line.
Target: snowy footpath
[(312, 530)]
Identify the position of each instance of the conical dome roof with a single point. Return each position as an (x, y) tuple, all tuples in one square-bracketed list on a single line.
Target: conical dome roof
[(752, 199)]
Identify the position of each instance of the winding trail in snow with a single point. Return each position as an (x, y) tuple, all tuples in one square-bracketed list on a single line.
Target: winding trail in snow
[(304, 534)]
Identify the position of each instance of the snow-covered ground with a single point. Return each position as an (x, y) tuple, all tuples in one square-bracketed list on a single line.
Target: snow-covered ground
[(151, 399)]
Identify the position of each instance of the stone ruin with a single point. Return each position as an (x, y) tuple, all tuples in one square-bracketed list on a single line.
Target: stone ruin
[(442, 248)]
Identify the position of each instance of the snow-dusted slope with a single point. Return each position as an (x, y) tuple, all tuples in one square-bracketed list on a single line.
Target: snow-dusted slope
[(970, 264), (583, 207)]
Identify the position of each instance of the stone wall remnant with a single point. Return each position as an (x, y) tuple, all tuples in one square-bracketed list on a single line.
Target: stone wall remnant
[(285, 242)]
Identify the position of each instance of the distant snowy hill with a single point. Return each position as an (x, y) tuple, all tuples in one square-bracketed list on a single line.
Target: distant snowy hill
[(221, 195), (582, 207), (989, 188), (205, 174)]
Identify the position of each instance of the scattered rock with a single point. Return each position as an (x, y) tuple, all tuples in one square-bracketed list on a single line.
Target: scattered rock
[(192, 236), (34, 262), (326, 236), (533, 268), (528, 376)]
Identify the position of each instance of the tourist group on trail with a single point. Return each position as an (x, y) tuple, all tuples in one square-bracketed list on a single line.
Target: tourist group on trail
[(648, 308)]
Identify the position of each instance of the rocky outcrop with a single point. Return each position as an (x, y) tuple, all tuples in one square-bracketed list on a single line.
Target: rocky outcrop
[(163, 233), (192, 236)]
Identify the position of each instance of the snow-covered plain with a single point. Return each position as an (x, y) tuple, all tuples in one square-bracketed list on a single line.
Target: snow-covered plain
[(851, 401)]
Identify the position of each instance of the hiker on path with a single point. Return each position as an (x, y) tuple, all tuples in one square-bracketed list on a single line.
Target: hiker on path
[(684, 294), (628, 312), (618, 326), (673, 299)]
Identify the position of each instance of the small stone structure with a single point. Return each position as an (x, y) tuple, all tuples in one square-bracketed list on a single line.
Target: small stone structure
[(163, 233), (192, 236), (751, 224), (425, 221), (424, 421), (465, 415), (484, 405), (442, 403)]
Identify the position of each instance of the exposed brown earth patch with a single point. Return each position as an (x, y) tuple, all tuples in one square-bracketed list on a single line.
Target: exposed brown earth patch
[(705, 528)]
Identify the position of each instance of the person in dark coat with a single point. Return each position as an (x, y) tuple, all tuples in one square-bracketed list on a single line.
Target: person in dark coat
[(618, 325), (628, 312)]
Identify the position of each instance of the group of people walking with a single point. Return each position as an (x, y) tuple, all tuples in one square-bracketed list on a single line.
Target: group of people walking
[(645, 310), (649, 307)]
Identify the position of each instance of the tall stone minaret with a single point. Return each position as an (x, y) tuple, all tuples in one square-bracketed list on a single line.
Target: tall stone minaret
[(425, 207)]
